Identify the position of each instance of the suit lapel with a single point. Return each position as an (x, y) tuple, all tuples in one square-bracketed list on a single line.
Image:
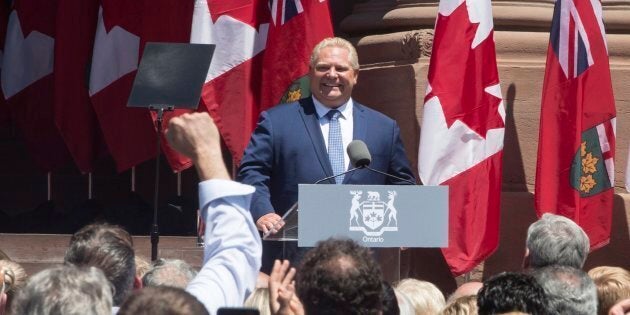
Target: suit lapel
[(311, 122), (359, 127)]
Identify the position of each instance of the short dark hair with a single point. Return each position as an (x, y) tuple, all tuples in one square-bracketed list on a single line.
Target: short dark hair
[(390, 303), (511, 292), (339, 276), (162, 300), (109, 248)]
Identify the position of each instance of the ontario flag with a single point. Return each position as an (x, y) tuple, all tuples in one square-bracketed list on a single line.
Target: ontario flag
[(463, 124), (576, 146), (262, 50)]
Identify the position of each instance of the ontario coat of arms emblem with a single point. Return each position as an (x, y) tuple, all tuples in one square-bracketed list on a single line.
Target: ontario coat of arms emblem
[(373, 216)]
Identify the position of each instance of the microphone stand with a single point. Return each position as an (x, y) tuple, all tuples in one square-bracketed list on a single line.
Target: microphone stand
[(392, 176), (344, 173)]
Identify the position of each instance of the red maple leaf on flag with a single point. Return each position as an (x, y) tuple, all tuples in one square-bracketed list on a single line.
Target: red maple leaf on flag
[(461, 73), (122, 13), (33, 17), (251, 12)]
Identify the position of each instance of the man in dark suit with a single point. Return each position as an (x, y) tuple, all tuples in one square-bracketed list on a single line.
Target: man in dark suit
[(302, 142)]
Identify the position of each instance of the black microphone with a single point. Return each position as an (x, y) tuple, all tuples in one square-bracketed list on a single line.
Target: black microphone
[(359, 158), (359, 154)]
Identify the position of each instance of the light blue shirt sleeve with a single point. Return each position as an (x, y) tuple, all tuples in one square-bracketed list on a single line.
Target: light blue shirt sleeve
[(233, 250)]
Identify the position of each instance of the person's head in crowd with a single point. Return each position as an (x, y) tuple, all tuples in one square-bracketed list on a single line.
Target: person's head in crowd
[(555, 240), (613, 285), (466, 289), (404, 303), (339, 276), (170, 272), (259, 300), (463, 305), (110, 248), (390, 304), (512, 292), (334, 69), (162, 300), (13, 277), (67, 290), (425, 297), (569, 290), (142, 266)]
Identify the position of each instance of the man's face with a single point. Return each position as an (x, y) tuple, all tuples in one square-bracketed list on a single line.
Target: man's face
[(332, 77)]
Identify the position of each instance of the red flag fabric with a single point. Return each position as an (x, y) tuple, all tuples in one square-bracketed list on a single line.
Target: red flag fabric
[(165, 22), (129, 133), (461, 144), (296, 27), (4, 20), (576, 146), (74, 115), (262, 47), (27, 80), (122, 30)]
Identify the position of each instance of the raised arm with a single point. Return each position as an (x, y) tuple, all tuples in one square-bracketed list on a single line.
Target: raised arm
[(233, 248)]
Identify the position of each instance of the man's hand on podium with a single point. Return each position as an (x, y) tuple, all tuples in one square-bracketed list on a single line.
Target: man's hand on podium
[(270, 223)]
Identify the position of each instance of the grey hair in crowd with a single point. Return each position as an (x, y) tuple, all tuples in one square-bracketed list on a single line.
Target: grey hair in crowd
[(170, 272), (67, 290), (556, 240), (569, 290), (353, 57)]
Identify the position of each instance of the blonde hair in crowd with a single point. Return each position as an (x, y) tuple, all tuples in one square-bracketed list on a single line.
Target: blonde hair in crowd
[(613, 285), (425, 297), (259, 300), (465, 305)]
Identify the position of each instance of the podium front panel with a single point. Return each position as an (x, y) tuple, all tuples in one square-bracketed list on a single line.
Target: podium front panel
[(374, 215)]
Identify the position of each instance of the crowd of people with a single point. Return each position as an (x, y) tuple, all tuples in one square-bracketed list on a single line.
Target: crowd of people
[(101, 273)]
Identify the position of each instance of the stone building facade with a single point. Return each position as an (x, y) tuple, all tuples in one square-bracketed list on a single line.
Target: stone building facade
[(394, 40)]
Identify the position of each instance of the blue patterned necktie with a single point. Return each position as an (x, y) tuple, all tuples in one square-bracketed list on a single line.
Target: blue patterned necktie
[(335, 144)]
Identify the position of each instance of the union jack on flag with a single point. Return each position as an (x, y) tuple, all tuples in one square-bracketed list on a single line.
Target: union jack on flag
[(284, 10), (569, 37)]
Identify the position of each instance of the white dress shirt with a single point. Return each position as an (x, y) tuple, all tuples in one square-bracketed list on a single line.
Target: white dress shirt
[(233, 249), (345, 122)]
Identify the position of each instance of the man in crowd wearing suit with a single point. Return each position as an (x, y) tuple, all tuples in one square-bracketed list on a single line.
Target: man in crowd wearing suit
[(305, 141)]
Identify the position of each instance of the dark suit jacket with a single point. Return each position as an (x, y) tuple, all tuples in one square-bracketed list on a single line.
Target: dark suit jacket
[(287, 148)]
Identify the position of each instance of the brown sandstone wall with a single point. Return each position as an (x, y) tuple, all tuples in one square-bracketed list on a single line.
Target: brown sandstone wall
[(394, 44)]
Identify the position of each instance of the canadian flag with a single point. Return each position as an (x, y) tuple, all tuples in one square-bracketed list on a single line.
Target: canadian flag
[(165, 22), (461, 144), (262, 53), (129, 133), (73, 111), (4, 20), (122, 29), (27, 80), (232, 89)]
